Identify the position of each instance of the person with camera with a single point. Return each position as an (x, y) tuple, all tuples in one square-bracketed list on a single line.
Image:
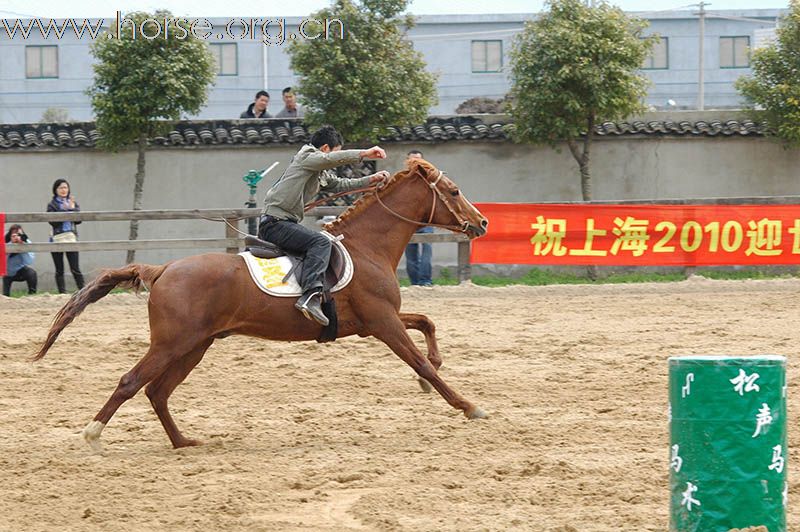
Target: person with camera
[(64, 201), (18, 264)]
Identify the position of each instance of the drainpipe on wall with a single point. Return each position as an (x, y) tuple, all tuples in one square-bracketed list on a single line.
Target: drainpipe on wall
[(265, 68), (701, 104)]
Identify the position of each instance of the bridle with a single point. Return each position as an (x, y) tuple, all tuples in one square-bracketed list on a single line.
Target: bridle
[(463, 226)]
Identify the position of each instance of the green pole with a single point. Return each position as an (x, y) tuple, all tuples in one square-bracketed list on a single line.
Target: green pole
[(728, 446)]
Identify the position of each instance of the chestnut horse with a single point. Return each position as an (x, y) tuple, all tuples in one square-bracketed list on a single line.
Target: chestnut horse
[(197, 299)]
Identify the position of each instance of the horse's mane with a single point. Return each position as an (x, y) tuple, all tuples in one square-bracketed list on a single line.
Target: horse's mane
[(369, 198)]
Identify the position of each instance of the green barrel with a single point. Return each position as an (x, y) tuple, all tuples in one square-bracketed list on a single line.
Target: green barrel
[(728, 451)]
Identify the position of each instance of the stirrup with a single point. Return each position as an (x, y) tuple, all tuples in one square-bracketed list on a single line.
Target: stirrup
[(304, 304)]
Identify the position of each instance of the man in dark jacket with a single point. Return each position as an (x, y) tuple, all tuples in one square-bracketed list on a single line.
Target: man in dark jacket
[(258, 109), (309, 172)]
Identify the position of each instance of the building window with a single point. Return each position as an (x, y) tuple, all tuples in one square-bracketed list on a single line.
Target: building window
[(734, 52), (226, 58), (659, 56), (487, 56), (41, 61)]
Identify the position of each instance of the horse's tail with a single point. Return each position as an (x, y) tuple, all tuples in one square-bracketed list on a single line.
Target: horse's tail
[(132, 276)]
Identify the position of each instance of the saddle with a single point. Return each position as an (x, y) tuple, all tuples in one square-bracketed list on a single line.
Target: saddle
[(337, 276), (267, 250)]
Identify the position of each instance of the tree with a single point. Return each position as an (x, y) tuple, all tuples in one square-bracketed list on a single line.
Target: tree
[(140, 81), (572, 67), (482, 104), (53, 115), (369, 79), (775, 84)]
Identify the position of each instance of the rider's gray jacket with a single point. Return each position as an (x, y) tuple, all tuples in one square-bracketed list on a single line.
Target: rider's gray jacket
[(306, 175)]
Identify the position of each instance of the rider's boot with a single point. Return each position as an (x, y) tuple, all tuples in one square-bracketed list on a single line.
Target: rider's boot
[(309, 304)]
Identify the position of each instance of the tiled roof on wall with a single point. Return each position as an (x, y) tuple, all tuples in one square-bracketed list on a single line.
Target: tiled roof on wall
[(288, 132), (711, 128)]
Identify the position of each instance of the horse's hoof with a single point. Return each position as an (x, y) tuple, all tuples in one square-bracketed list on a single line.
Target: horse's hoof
[(425, 385), (476, 413), (91, 435), (187, 443), (95, 444)]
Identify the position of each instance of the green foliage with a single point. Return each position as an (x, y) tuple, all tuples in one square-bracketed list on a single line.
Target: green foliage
[(775, 84), (54, 115), (371, 79), (574, 64), (140, 81), (546, 276)]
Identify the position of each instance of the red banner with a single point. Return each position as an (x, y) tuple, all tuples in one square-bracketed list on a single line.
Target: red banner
[(639, 235), (2, 244)]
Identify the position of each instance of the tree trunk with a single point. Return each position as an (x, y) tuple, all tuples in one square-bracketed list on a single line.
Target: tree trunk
[(582, 157), (138, 187)]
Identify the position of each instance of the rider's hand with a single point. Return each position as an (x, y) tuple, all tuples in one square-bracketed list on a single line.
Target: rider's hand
[(375, 152), (379, 178)]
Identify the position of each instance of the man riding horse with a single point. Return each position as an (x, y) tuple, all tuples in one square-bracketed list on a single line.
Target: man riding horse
[(195, 300), (307, 174)]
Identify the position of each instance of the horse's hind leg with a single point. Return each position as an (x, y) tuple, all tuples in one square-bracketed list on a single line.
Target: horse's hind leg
[(151, 366), (422, 323), (159, 390)]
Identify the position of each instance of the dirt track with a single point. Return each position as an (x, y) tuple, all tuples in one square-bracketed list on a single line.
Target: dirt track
[(308, 437)]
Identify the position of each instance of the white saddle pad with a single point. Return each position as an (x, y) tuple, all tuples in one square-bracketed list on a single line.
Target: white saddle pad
[(268, 274)]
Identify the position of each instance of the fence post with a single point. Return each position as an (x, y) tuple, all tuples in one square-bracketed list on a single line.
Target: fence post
[(230, 232), (464, 266)]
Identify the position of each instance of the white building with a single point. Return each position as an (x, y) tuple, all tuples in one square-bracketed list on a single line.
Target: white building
[(469, 52)]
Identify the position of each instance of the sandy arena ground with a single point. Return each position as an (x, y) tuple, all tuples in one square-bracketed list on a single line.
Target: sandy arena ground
[(308, 437)]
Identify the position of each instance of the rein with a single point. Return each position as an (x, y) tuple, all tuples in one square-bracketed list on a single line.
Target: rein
[(307, 208), (326, 199), (372, 188)]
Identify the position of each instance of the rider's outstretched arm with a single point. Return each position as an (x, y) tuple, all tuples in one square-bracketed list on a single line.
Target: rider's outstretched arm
[(319, 161)]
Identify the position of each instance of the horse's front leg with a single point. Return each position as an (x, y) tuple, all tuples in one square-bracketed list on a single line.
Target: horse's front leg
[(422, 323), (392, 331)]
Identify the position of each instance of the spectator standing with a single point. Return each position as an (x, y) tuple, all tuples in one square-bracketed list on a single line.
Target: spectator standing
[(258, 109), (418, 256), (64, 201), (290, 107)]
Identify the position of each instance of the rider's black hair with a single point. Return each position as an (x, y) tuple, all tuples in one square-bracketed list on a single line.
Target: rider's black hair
[(327, 135)]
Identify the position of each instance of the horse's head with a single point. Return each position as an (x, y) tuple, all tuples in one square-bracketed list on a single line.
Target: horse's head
[(449, 208)]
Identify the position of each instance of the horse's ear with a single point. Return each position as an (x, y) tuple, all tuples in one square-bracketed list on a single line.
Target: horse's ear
[(425, 168), (411, 167), (420, 164)]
